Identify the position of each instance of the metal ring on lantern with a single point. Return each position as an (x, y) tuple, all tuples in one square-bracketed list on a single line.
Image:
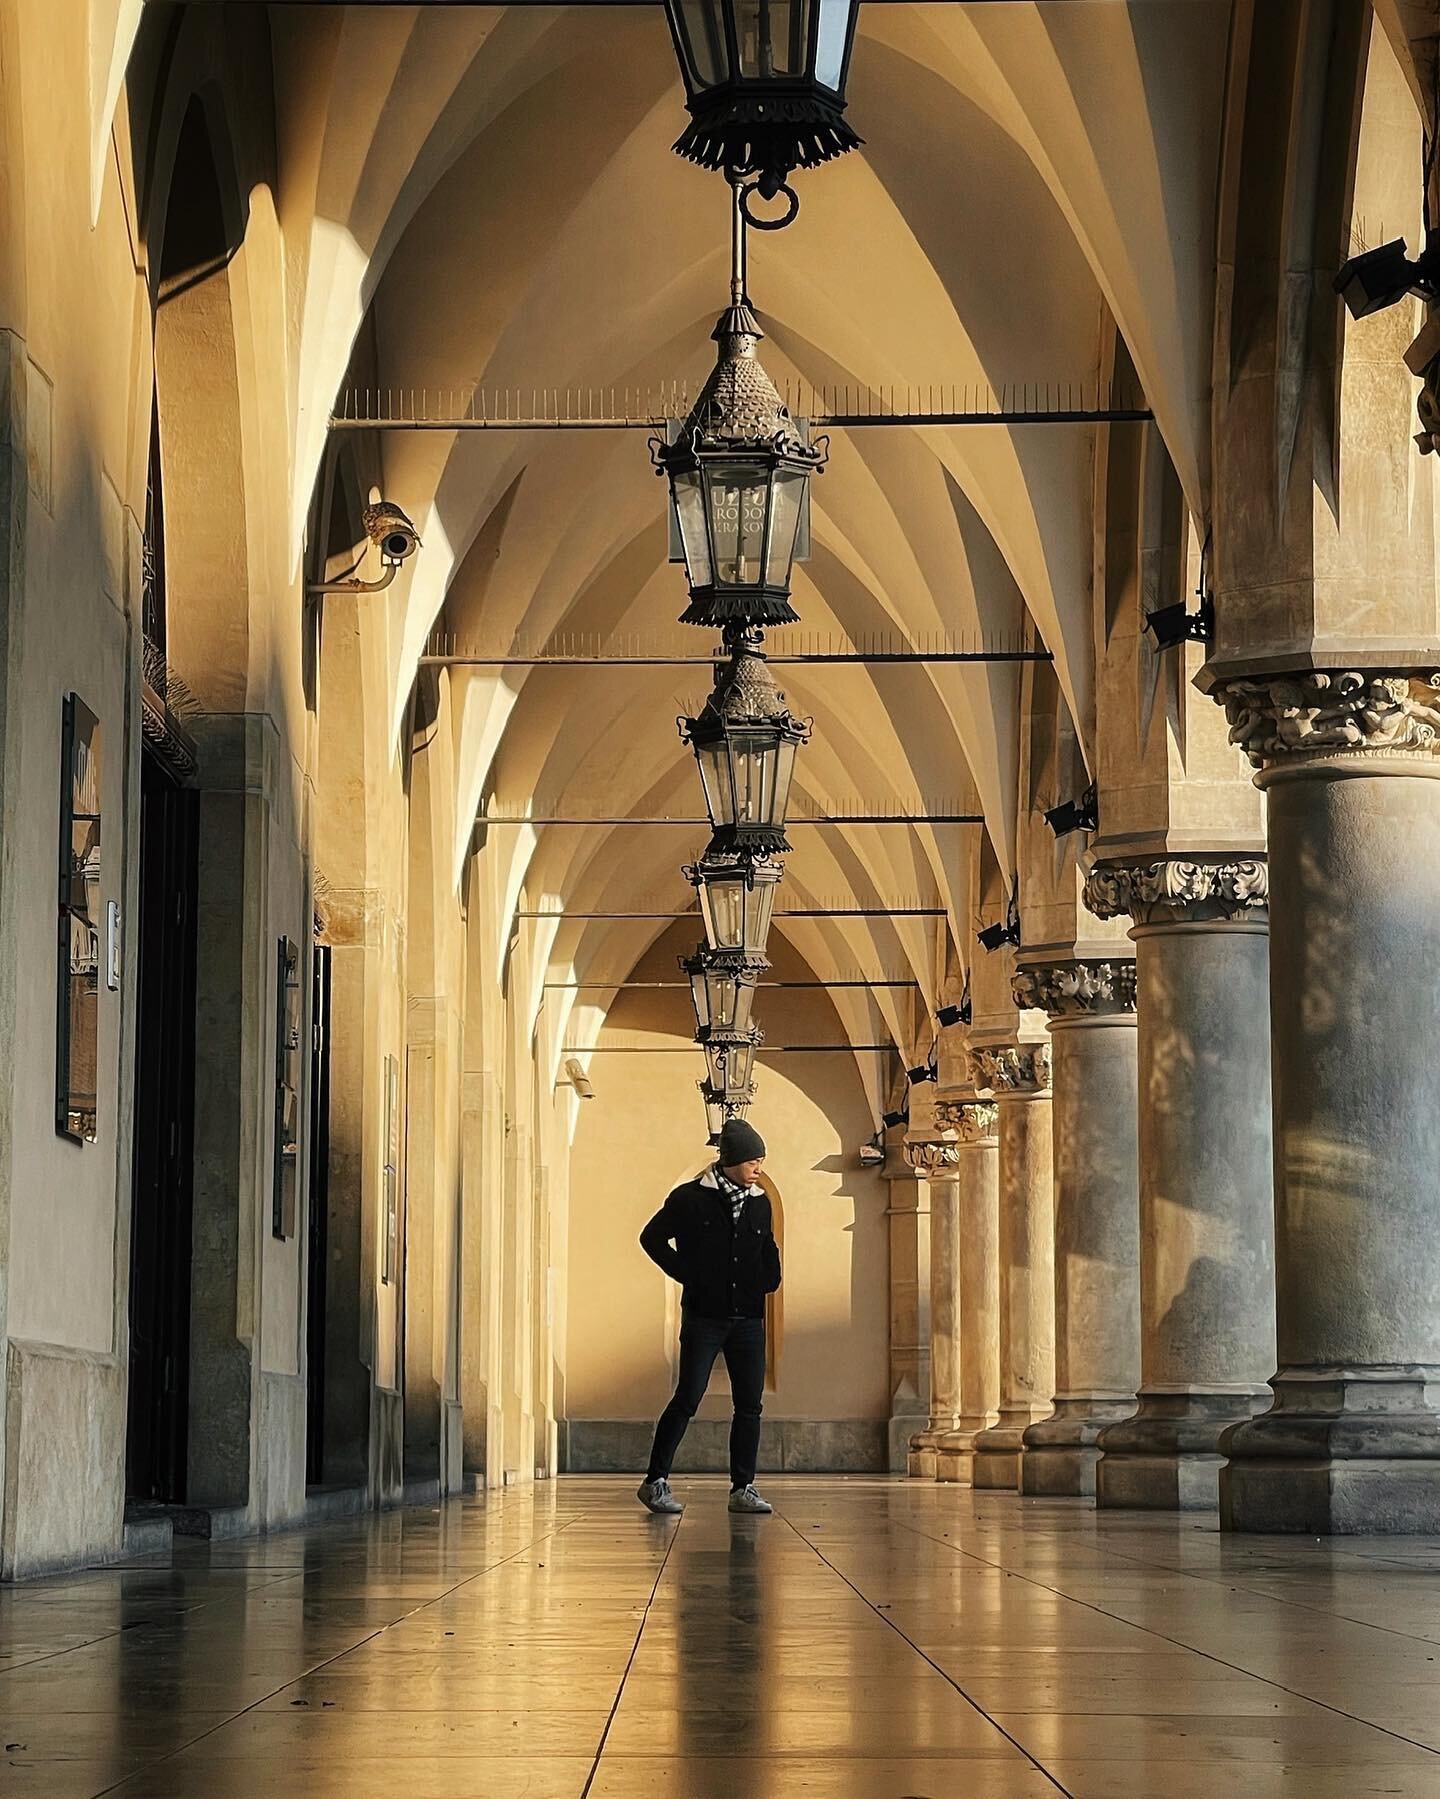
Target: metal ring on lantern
[(784, 219)]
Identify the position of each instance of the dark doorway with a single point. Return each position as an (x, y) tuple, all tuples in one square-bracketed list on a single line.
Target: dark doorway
[(155, 1445), (319, 1225)]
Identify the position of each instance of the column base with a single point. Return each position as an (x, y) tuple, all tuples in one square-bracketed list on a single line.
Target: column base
[(1343, 1451), (998, 1450), (1061, 1451), (920, 1462), (1167, 1457), (955, 1457)]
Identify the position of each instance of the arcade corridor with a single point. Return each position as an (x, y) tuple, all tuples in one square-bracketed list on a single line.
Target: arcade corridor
[(875, 1640)]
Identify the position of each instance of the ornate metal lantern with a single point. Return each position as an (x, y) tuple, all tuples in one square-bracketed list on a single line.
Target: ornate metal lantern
[(737, 898), (745, 739), (730, 1062), (764, 83), (738, 471), (722, 985), (718, 1108)]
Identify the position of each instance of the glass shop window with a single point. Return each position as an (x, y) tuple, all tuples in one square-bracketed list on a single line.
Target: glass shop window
[(78, 983), (285, 1198)]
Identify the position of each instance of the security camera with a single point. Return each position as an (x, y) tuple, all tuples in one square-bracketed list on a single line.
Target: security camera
[(391, 532), (578, 1079)]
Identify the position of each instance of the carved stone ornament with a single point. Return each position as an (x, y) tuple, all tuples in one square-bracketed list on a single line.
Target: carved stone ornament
[(1013, 1068), (1174, 889), (1075, 989), (972, 1120), (1330, 712), (930, 1156)]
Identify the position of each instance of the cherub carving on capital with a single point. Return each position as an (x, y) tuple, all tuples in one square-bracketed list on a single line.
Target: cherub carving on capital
[(1073, 989), (1333, 712), (1011, 1068)]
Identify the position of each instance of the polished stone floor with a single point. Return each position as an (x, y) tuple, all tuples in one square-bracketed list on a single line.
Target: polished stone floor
[(874, 1640)]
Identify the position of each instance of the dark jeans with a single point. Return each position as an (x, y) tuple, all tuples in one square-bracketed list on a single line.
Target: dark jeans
[(742, 1342)]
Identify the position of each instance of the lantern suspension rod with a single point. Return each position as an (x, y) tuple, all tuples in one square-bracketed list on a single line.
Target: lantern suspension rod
[(650, 986), (690, 1049), (838, 818), (828, 658), (815, 912)]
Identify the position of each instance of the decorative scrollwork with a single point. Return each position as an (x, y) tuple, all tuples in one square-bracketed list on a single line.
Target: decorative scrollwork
[(1075, 989), (972, 1120), (1179, 888), (930, 1156), (1333, 712), (1011, 1068)]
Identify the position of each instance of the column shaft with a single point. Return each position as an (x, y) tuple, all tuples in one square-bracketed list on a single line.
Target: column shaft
[(1020, 1079), (944, 1195), (979, 1258), (1206, 1196), (1352, 1442)]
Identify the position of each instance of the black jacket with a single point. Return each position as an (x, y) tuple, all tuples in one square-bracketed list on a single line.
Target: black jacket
[(725, 1269)]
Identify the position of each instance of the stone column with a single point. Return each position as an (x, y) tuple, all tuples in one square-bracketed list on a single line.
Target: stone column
[(1348, 762), (1091, 1007), (935, 1164), (1018, 1076), (1207, 1297), (909, 1315), (975, 1124)]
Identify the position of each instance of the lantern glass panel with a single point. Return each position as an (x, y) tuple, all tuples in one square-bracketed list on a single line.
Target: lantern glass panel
[(831, 42), (787, 497), (772, 37), (714, 765), (700, 980), (783, 775), (687, 492), (739, 495), (759, 904), (731, 999), (722, 905), (752, 761), (704, 33)]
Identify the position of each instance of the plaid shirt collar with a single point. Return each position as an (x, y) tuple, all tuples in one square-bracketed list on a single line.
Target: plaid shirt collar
[(733, 1191)]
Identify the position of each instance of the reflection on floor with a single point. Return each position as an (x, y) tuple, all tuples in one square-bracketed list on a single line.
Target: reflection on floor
[(873, 1640)]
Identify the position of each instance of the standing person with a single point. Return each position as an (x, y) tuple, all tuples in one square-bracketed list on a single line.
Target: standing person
[(716, 1237)]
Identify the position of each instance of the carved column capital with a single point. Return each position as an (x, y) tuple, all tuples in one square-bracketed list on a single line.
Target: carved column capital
[(930, 1158), (1012, 1069), (1306, 714), (1180, 889), (1065, 990), (972, 1120)]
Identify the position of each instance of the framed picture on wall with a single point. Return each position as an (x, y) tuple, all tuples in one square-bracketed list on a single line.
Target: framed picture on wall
[(77, 1032)]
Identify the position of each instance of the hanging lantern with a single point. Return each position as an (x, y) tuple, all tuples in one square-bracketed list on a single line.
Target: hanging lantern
[(722, 986), (764, 83), (737, 898), (738, 472), (730, 1061), (718, 1108), (745, 740)]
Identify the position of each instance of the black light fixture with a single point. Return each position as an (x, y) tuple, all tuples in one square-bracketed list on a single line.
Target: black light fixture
[(719, 1107), (737, 897), (722, 986), (995, 935), (1173, 625), (1381, 277), (730, 1062), (738, 470), (764, 84), (926, 1072), (891, 1119), (949, 1015), (1075, 815), (745, 739)]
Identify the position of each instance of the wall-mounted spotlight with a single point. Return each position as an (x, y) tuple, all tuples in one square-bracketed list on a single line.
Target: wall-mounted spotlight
[(1381, 277), (958, 1013), (1173, 624), (995, 935), (872, 1154), (926, 1072), (1075, 815), (392, 535), (578, 1079), (891, 1119)]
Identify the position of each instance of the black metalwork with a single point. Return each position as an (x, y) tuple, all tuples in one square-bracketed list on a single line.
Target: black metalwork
[(722, 988), (764, 84), (737, 899), (745, 739)]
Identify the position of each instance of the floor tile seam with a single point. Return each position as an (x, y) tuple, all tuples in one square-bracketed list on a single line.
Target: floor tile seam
[(1160, 1636), (1216, 1580), (630, 1661), (316, 1668), (884, 1619)]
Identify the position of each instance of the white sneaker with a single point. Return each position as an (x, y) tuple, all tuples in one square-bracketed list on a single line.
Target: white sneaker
[(746, 1499), (655, 1496)]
